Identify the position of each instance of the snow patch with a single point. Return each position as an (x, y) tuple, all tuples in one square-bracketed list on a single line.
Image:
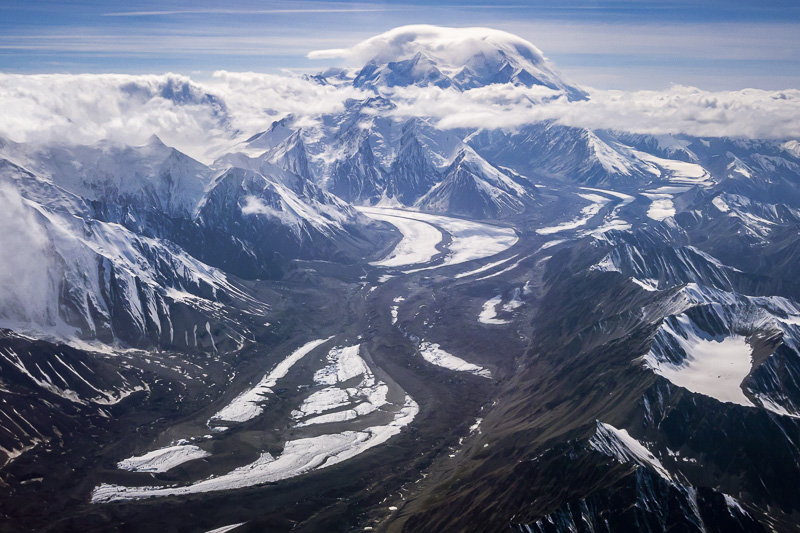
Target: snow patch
[(432, 353), (488, 314), (586, 214)]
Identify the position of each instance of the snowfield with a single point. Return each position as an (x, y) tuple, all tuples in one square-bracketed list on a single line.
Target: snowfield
[(661, 206), (713, 367), (489, 312)]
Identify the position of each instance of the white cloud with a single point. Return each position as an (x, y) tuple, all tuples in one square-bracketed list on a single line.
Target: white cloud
[(195, 118), (255, 100), (84, 109), (202, 118), (746, 113), (27, 290), (451, 47)]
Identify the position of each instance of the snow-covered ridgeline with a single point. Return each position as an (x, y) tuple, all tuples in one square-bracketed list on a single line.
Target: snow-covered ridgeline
[(432, 353), (47, 382), (247, 406), (77, 255), (617, 443)]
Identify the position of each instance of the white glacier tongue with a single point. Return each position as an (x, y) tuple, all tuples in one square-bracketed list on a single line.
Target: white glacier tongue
[(469, 240), (163, 459), (247, 405), (418, 244), (299, 456), (225, 529), (343, 365)]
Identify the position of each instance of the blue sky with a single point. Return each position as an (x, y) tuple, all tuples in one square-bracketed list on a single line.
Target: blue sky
[(711, 44)]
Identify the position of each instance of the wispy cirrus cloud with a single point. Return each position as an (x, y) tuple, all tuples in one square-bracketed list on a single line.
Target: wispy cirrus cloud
[(215, 11)]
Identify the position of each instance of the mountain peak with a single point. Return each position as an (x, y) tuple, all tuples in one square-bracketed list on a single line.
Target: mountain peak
[(463, 58), (155, 141)]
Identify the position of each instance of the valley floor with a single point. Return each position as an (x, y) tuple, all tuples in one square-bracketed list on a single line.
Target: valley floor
[(445, 386)]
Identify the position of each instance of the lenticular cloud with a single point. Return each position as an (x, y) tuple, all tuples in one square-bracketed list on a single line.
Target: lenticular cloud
[(451, 47)]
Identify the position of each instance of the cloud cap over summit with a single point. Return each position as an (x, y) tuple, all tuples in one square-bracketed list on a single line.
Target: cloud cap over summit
[(463, 58)]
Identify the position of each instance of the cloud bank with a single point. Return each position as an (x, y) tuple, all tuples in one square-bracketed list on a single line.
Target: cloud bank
[(197, 118), (747, 113), (202, 118)]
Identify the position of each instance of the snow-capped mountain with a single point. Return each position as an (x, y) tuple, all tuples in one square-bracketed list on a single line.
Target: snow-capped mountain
[(598, 158), (366, 158), (357, 318), (127, 238), (472, 187), (459, 58)]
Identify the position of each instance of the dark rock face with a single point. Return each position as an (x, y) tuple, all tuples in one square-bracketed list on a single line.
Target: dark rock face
[(411, 175), (357, 178)]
